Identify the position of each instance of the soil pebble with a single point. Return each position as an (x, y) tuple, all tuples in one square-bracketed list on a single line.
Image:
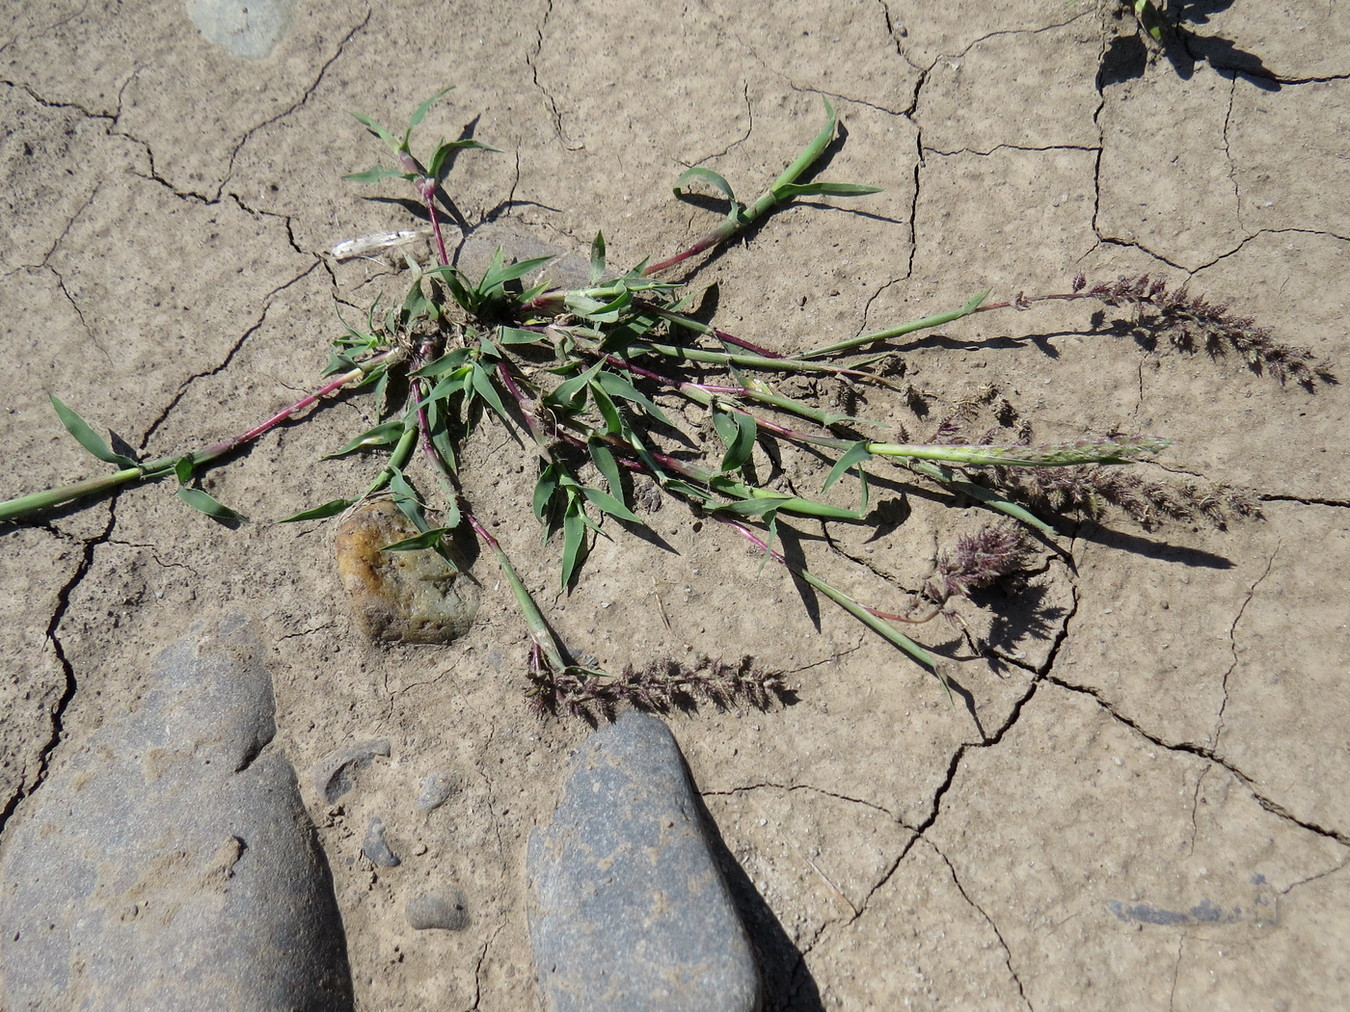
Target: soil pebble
[(376, 848), (168, 861), (248, 30), (517, 243), (436, 790), (404, 597), (447, 910), (335, 774), (627, 907)]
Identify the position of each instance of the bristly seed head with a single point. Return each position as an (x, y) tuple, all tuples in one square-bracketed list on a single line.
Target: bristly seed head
[(993, 551), (659, 686), (1191, 324)]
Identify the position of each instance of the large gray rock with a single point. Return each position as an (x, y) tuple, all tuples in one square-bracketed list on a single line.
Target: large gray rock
[(169, 863), (627, 908)]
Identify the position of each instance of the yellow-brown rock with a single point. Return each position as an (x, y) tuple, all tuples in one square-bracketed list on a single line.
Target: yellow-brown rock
[(407, 597)]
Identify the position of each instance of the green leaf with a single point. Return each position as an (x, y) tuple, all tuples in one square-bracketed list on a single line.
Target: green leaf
[(183, 468), (597, 259), (329, 509), (453, 516), (87, 437), (584, 304), (617, 386), (204, 503), (448, 362), (429, 538), (384, 434), (438, 415), (855, 454), (738, 431), (461, 290), (420, 113), (609, 504), (483, 386), (499, 274), (566, 394), (377, 130), (375, 174), (514, 335), (688, 490), (406, 499), (544, 487), (574, 541), (603, 404), (712, 178), (973, 303), (469, 144), (606, 465), (787, 190), (457, 382)]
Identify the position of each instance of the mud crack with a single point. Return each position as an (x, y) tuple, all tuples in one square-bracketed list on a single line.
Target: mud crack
[(1007, 952), (299, 103), (771, 785), (1232, 643), (1209, 755), (229, 355), (70, 685), (532, 61)]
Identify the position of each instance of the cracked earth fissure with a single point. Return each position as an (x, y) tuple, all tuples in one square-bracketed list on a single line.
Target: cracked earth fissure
[(228, 358), (70, 682), (953, 767), (1233, 646), (771, 785), (298, 104), (1208, 754), (1007, 952)]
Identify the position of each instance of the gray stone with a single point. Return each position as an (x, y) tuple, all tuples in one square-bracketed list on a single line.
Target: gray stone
[(169, 862), (376, 849), (436, 790), (627, 908), (335, 774), (448, 910), (249, 30)]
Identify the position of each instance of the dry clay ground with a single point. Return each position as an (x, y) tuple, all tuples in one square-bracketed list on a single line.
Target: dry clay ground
[(1150, 803)]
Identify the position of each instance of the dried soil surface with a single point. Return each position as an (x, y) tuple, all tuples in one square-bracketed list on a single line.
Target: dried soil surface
[(1146, 802)]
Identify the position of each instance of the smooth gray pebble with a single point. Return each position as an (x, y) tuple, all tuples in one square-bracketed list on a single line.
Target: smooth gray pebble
[(376, 849), (436, 790), (335, 774), (448, 910)]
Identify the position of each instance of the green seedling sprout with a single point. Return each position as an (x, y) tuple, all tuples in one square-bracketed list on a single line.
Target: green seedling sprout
[(579, 377)]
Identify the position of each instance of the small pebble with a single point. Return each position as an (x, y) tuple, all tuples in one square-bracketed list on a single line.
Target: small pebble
[(447, 910), (436, 790), (376, 849), (334, 774)]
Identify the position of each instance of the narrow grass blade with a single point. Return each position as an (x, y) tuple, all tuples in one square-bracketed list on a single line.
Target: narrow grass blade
[(87, 437), (203, 502)]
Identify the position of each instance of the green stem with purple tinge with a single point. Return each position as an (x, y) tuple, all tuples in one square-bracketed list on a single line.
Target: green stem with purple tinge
[(848, 603), (35, 502), (770, 198)]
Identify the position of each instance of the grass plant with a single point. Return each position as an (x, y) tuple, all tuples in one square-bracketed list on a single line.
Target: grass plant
[(586, 378)]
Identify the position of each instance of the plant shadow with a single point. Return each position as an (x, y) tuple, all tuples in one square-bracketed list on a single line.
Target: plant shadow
[(1127, 55)]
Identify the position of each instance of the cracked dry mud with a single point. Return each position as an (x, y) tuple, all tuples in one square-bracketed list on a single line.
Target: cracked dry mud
[(1153, 805)]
